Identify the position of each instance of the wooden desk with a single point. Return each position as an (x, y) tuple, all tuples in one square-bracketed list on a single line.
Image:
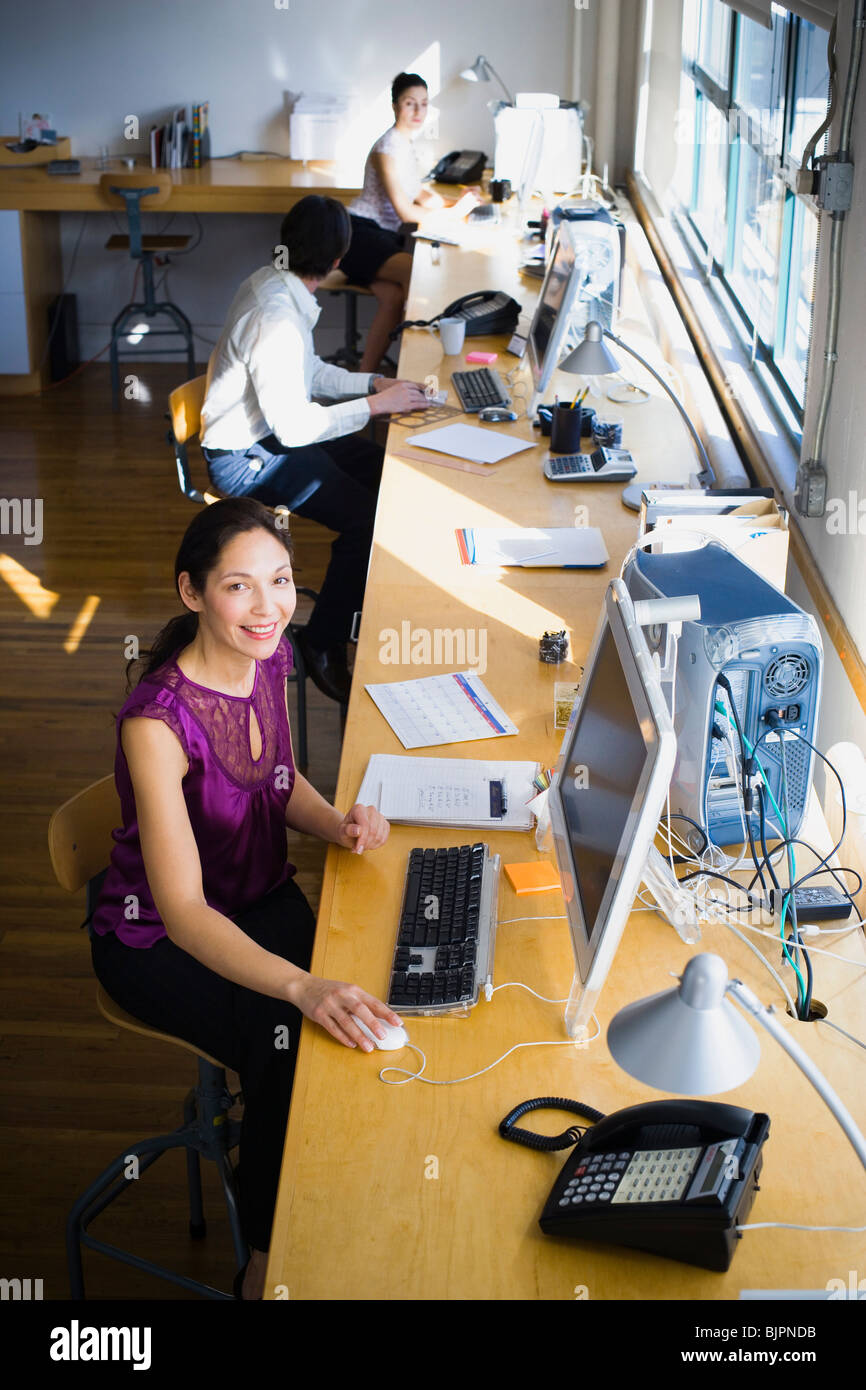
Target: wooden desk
[(31, 201), (407, 1192), (221, 185)]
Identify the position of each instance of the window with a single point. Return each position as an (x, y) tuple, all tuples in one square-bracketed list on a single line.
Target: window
[(750, 100)]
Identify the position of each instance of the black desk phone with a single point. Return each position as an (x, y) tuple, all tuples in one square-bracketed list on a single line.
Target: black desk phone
[(460, 166), (484, 312), (674, 1177)]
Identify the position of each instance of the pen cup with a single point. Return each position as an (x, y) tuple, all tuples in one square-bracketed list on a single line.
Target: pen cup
[(565, 429), (452, 333)]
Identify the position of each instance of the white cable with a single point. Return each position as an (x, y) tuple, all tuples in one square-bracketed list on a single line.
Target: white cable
[(773, 971), (518, 984), (843, 1031), (790, 1226), (816, 950), (560, 917), (455, 1081)]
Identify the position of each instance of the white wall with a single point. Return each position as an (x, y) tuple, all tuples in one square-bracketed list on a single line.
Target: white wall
[(91, 66)]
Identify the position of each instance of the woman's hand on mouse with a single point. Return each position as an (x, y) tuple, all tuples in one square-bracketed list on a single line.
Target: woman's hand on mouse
[(331, 1004), (362, 828)]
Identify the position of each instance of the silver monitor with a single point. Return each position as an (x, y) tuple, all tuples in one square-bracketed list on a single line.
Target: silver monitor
[(554, 310), (607, 795)]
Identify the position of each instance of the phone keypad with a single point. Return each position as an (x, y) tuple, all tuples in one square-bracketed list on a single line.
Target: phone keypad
[(651, 1175)]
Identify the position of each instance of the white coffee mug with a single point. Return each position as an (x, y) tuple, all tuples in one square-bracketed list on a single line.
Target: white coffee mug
[(452, 332)]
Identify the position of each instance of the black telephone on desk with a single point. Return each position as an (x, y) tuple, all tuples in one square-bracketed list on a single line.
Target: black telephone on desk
[(485, 312), (460, 166), (674, 1177)]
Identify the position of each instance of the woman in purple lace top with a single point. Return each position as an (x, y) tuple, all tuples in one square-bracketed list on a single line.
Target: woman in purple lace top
[(200, 929)]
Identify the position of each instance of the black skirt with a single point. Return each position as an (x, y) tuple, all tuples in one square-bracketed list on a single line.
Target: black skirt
[(370, 248)]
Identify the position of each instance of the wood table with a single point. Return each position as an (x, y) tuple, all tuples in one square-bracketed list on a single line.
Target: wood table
[(408, 1192), (32, 200)]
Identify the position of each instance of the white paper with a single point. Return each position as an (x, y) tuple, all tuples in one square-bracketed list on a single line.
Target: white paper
[(473, 442), (452, 708), (447, 791), (564, 547)]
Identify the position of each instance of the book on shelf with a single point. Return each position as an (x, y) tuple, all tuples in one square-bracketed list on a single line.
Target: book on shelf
[(183, 141)]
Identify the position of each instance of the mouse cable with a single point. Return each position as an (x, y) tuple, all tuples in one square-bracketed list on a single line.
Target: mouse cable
[(408, 1076)]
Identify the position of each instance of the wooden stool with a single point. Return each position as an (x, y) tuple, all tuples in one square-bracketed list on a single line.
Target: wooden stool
[(79, 842)]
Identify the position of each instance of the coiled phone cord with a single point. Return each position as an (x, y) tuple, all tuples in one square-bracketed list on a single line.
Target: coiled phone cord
[(548, 1142)]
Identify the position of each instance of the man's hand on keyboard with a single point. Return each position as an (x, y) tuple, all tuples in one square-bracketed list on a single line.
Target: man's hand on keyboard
[(331, 1004), (397, 398), (363, 828)]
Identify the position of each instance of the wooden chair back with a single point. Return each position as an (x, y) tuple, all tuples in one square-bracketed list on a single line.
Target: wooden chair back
[(79, 834), (184, 408)]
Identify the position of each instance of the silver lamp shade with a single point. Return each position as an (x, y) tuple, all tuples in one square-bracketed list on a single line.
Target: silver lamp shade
[(479, 72), (689, 1039), (592, 357)]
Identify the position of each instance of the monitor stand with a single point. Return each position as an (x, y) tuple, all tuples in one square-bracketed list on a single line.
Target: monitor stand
[(674, 904)]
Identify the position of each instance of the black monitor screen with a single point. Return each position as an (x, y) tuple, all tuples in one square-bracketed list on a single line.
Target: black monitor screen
[(599, 782)]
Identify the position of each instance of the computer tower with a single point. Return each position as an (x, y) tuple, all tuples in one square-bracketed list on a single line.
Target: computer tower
[(771, 654)]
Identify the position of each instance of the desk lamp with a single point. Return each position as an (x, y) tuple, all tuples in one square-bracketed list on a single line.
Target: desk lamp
[(481, 71), (592, 357), (691, 1040)]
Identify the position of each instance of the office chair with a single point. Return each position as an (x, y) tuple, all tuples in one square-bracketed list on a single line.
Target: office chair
[(184, 416), (151, 188), (79, 842)]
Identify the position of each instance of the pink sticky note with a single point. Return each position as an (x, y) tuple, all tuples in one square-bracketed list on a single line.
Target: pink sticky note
[(486, 357)]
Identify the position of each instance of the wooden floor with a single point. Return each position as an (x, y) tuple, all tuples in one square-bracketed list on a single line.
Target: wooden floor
[(76, 1092)]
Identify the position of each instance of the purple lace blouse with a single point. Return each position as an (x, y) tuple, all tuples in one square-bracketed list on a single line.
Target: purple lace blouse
[(236, 805)]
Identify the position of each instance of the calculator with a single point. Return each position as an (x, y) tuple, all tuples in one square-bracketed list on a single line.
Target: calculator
[(608, 465)]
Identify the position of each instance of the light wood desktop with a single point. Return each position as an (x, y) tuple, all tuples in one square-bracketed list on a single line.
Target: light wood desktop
[(31, 274), (408, 1192)]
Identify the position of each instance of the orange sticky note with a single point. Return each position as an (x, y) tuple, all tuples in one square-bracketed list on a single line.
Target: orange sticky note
[(540, 877)]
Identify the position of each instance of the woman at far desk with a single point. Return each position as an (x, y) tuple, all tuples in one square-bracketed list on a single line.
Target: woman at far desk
[(200, 929), (392, 195)]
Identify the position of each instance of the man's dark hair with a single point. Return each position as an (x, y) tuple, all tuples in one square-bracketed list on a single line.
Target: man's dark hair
[(402, 82), (315, 233)]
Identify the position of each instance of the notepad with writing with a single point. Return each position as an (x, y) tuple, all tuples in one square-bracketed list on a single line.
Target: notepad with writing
[(450, 791)]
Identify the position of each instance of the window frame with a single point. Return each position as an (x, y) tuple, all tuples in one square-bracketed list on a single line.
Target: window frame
[(768, 356)]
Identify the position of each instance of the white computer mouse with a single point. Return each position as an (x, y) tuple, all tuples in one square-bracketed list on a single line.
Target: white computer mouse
[(395, 1035)]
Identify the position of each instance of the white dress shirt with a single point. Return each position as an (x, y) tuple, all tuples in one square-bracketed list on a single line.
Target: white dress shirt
[(263, 372)]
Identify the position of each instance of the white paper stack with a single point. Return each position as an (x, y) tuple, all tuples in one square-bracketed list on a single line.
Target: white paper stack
[(448, 791)]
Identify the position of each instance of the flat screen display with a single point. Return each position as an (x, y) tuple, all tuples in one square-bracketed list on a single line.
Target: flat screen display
[(600, 780)]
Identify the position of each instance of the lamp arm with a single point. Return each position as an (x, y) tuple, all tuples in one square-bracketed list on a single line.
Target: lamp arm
[(766, 1017), (702, 454), (499, 80)]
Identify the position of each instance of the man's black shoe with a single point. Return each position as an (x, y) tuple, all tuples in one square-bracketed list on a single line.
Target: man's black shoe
[(327, 669)]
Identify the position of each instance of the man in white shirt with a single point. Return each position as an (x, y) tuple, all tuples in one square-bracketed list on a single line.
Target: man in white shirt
[(264, 436)]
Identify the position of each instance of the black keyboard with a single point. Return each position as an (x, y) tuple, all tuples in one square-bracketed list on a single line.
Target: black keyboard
[(445, 939), (478, 389)]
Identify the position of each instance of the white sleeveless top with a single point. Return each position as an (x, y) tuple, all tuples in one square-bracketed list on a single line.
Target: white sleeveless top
[(374, 201)]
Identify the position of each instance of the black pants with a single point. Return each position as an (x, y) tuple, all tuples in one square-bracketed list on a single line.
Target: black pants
[(336, 484), (169, 989)]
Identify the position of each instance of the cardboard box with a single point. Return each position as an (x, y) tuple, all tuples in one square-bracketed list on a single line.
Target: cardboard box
[(755, 529)]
